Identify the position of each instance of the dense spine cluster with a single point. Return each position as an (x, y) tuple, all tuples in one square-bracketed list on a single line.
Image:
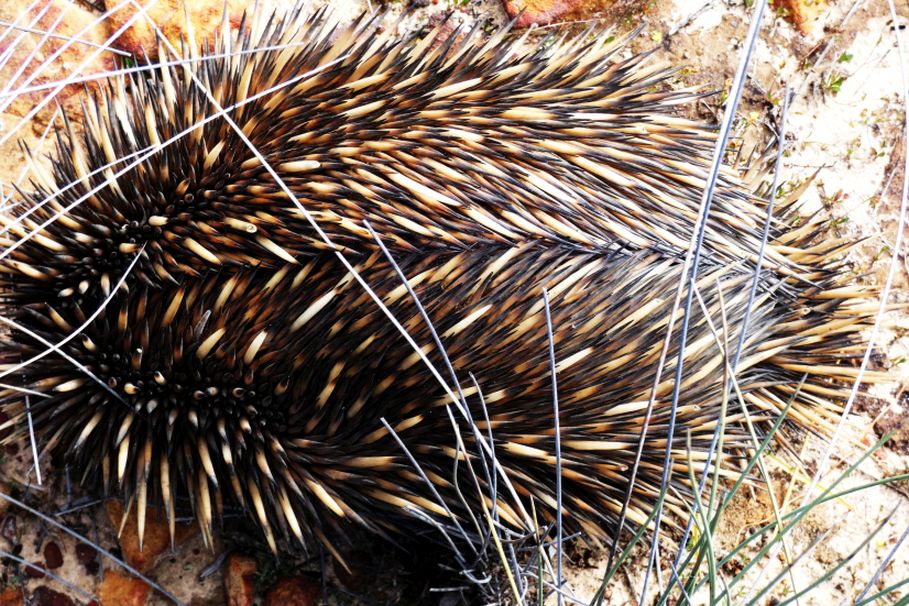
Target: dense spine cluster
[(469, 144), (211, 344)]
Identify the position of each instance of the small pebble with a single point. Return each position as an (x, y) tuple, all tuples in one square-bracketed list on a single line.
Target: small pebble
[(240, 580), (45, 596), (35, 570), (8, 530), (123, 590), (86, 553), (11, 596), (294, 591), (53, 557)]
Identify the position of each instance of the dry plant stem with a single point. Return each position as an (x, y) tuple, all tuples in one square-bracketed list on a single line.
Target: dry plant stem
[(692, 259)]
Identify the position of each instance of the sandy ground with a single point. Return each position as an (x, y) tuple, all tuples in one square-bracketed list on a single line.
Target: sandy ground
[(844, 134), (844, 129)]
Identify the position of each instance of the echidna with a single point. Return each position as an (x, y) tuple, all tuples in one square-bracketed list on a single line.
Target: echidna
[(238, 360)]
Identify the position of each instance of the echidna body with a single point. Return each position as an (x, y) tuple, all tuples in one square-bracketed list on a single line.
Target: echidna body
[(468, 144), (270, 386), (239, 359)]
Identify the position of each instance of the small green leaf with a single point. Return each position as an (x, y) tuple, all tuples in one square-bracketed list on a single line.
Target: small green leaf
[(835, 83)]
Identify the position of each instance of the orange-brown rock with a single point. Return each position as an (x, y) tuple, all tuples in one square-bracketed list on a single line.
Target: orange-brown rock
[(803, 14), (157, 536), (544, 12), (121, 590), (170, 16), (294, 591), (240, 580), (11, 596), (62, 44)]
